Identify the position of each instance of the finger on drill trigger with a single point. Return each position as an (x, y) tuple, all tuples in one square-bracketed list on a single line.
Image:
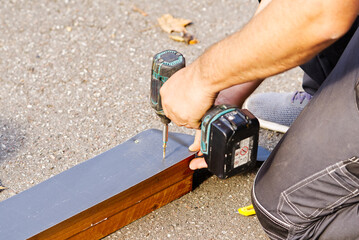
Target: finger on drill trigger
[(198, 163)]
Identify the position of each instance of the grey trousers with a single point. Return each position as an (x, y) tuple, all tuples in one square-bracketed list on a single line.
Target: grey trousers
[(309, 186)]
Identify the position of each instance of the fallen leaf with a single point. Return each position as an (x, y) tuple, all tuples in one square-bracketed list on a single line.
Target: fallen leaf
[(177, 38), (186, 37), (170, 24), (136, 9)]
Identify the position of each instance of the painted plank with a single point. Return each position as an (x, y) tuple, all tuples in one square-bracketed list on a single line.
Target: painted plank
[(101, 189), (144, 207)]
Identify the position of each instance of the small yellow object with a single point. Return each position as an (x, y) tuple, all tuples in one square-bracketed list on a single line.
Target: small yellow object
[(247, 211)]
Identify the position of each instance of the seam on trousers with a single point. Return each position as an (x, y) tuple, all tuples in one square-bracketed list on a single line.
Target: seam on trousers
[(330, 173), (301, 213), (299, 185), (338, 180), (279, 211), (266, 213), (349, 175), (321, 174), (317, 211), (269, 218), (337, 203), (295, 209)]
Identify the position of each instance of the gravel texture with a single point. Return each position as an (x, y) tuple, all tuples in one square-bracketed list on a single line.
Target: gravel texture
[(74, 82)]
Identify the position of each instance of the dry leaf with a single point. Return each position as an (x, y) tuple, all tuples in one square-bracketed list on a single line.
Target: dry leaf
[(136, 9), (177, 38), (178, 25), (170, 24), (187, 38)]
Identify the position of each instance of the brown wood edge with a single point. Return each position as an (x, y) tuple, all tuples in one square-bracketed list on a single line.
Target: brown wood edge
[(148, 205), (118, 203)]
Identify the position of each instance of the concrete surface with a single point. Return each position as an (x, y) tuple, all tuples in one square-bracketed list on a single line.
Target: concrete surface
[(74, 82)]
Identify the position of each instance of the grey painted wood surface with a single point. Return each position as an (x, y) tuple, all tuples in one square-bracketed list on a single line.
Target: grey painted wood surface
[(89, 183)]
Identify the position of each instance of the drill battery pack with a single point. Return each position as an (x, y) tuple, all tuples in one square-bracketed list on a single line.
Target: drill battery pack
[(229, 140)]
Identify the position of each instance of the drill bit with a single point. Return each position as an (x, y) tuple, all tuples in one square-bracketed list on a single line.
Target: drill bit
[(165, 139)]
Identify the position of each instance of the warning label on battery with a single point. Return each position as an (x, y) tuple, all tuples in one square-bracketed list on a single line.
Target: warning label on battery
[(242, 153)]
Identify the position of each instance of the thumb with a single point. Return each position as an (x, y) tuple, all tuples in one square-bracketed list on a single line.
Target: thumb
[(197, 163)]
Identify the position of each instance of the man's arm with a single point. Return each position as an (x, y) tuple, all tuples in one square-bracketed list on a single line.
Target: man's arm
[(236, 95), (283, 35)]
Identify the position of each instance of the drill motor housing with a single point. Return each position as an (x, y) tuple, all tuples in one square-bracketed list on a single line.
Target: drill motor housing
[(229, 140), (164, 65)]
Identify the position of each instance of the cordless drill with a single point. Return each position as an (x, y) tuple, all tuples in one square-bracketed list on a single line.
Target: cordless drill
[(229, 135), (164, 65)]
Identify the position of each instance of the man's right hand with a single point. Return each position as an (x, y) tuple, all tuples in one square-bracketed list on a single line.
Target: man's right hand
[(186, 96), (234, 96)]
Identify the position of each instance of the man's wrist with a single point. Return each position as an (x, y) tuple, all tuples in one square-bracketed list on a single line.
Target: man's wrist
[(201, 77), (210, 72)]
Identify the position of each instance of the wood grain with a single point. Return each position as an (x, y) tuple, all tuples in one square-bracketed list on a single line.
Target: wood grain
[(103, 194), (124, 208)]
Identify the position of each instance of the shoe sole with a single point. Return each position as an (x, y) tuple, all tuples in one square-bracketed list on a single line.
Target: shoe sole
[(269, 125), (272, 126)]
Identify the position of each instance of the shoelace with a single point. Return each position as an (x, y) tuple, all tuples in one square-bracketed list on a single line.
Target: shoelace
[(301, 96)]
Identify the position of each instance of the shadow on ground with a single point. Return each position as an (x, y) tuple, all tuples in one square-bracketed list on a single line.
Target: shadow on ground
[(12, 139)]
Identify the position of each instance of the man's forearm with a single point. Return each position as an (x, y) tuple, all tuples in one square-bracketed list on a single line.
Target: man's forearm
[(236, 95), (283, 35)]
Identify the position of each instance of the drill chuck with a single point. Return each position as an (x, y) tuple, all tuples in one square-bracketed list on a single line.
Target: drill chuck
[(164, 119)]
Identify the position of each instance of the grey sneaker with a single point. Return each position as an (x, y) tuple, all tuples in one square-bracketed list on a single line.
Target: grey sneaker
[(277, 111)]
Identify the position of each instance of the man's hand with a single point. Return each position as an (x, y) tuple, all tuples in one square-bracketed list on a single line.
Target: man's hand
[(234, 96), (197, 163), (186, 97)]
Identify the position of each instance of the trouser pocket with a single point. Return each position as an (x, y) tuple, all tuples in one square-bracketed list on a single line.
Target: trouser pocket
[(319, 195)]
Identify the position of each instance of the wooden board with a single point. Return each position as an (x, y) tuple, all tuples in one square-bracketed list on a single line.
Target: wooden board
[(103, 194)]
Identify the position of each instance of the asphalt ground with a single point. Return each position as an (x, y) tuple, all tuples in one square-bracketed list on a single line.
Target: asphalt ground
[(74, 82)]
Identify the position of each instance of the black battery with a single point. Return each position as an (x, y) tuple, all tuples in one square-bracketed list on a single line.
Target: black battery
[(229, 140)]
